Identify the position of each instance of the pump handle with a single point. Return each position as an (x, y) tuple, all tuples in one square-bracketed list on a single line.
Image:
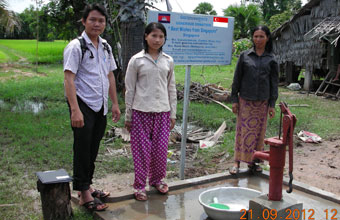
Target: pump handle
[(288, 129), (290, 184)]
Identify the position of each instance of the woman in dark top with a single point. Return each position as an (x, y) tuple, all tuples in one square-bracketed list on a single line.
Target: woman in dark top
[(254, 92)]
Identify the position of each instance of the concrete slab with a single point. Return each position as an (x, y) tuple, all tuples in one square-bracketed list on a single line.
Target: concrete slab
[(287, 208), (182, 200)]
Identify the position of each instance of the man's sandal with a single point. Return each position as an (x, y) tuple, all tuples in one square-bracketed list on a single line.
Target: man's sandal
[(94, 205), (140, 195), (234, 170), (161, 187), (100, 194)]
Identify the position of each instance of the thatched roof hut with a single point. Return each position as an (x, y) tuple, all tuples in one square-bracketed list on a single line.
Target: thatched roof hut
[(309, 40)]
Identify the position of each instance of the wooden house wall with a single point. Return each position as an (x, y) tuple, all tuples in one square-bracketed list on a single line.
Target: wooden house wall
[(289, 43)]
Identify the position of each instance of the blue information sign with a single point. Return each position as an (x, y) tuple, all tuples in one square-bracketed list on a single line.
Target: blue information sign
[(196, 39)]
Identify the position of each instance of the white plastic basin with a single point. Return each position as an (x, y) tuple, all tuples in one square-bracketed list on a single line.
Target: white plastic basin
[(236, 198)]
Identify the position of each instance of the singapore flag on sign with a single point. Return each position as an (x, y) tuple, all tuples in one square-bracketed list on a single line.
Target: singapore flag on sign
[(220, 22)]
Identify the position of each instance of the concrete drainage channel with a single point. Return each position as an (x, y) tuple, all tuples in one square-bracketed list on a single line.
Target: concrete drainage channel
[(182, 200)]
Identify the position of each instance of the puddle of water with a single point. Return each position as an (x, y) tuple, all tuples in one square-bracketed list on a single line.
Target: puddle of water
[(183, 204), (28, 106)]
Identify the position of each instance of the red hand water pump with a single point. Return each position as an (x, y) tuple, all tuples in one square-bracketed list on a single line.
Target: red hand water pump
[(277, 154)]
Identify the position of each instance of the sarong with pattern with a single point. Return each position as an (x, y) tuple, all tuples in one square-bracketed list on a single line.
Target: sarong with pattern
[(250, 129)]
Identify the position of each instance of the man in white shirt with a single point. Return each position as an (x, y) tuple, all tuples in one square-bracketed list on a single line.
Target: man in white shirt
[(88, 82)]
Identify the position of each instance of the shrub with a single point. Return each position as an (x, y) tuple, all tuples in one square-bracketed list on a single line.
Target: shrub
[(241, 45)]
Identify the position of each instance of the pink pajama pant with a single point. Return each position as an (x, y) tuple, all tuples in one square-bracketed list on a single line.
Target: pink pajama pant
[(149, 145)]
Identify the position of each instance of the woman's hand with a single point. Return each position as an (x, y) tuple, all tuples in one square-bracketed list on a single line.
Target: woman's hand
[(172, 123), (271, 112), (235, 108), (115, 113), (128, 125)]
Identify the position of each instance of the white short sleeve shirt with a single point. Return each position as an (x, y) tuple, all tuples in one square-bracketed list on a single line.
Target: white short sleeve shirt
[(91, 81)]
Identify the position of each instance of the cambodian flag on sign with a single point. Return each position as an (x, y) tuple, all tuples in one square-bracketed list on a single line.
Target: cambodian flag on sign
[(164, 18), (220, 22)]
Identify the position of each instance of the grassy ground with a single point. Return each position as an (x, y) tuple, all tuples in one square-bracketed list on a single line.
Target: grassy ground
[(3, 57), (31, 142), (48, 52)]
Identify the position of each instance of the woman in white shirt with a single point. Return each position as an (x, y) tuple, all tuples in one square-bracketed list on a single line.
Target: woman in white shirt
[(151, 102)]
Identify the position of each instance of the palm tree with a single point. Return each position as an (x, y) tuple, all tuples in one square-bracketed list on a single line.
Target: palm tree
[(205, 8), (246, 17), (8, 19)]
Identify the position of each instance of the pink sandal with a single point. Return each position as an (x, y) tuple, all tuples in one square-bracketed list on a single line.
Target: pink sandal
[(140, 195), (162, 187)]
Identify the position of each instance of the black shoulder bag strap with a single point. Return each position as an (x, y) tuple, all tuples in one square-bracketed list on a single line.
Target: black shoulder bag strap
[(84, 48)]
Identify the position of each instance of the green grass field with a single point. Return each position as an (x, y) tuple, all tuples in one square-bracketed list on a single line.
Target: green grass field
[(3, 57), (48, 52), (31, 142)]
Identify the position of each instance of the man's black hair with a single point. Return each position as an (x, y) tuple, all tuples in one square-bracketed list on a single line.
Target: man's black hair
[(91, 7)]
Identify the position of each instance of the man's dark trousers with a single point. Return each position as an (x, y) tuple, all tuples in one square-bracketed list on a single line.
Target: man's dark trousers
[(85, 146)]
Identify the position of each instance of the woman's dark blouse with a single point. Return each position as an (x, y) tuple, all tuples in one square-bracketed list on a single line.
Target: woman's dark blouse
[(256, 78)]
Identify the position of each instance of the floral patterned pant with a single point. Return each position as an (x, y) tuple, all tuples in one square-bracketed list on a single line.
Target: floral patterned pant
[(149, 144)]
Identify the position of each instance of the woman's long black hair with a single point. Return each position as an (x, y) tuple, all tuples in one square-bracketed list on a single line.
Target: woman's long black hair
[(265, 29), (148, 29)]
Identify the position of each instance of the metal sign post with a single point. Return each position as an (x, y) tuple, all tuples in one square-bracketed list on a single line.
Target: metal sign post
[(195, 40), (185, 120)]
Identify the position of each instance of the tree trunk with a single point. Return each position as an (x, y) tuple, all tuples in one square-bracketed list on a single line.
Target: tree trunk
[(132, 41), (55, 199)]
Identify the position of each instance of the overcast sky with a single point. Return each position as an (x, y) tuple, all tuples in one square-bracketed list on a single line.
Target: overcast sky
[(177, 5), (19, 5), (186, 6)]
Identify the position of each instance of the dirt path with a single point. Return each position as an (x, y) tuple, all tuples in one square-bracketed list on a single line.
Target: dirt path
[(15, 70), (317, 165)]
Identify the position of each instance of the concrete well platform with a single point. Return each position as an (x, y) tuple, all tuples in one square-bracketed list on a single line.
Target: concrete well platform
[(182, 200)]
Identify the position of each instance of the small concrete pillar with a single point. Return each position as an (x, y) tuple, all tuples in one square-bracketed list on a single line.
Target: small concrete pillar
[(262, 208)]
